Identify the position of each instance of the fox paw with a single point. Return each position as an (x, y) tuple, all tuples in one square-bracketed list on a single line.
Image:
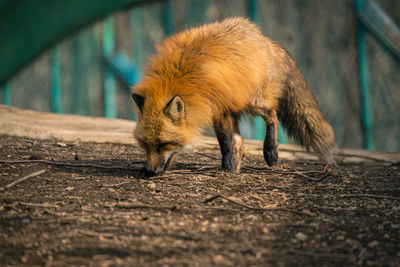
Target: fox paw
[(230, 169), (271, 157)]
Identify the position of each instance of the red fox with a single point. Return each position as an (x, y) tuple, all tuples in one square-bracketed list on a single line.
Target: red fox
[(209, 75)]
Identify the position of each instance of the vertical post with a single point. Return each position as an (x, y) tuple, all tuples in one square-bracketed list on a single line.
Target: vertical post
[(82, 51), (77, 94), (137, 45), (168, 18), (253, 11), (364, 81), (56, 93), (282, 137), (259, 125), (197, 12), (110, 110), (7, 94)]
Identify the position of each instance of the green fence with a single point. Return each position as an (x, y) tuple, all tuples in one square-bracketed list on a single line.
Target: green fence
[(352, 73)]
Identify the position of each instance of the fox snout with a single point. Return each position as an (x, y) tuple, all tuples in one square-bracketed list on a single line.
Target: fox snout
[(155, 164), (158, 163)]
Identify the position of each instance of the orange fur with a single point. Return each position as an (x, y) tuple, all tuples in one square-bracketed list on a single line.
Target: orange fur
[(223, 68)]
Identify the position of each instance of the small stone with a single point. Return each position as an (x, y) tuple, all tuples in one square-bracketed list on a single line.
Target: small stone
[(152, 185), (24, 259), (220, 260), (340, 237), (395, 226), (300, 236), (386, 236), (205, 223), (373, 244), (62, 144)]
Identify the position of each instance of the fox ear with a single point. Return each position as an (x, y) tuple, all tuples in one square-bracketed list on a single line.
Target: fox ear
[(139, 100), (175, 109)]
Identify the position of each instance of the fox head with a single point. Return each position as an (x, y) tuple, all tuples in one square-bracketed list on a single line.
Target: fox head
[(161, 130)]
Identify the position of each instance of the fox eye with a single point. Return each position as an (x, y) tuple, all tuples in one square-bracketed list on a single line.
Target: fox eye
[(142, 144), (165, 146)]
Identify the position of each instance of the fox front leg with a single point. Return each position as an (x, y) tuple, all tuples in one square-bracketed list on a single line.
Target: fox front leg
[(230, 142), (270, 148)]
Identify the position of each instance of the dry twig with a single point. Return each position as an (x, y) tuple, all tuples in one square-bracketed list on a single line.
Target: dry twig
[(208, 156), (298, 173), (253, 208), (142, 206), (41, 205), (96, 234), (20, 180), (371, 196), (67, 164), (117, 184)]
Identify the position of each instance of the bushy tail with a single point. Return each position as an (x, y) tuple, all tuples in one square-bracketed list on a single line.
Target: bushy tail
[(302, 117)]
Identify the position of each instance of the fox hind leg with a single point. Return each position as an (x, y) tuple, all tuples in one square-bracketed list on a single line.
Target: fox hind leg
[(230, 141), (270, 148)]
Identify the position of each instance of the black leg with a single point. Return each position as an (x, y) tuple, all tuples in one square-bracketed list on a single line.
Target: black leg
[(230, 142), (270, 148)]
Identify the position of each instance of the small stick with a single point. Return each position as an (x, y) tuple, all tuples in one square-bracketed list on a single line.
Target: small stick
[(96, 234), (310, 178), (208, 156), (229, 199), (343, 154), (253, 208), (301, 174), (68, 164), (211, 199), (205, 173), (143, 206), (118, 184), (366, 157), (41, 205), (371, 196), (20, 180)]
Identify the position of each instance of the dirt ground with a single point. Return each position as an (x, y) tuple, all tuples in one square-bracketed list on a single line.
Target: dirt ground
[(93, 207)]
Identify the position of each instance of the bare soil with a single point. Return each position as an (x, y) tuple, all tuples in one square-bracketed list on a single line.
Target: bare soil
[(93, 207)]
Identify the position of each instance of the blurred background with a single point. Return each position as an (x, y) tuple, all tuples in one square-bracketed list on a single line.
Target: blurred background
[(348, 51)]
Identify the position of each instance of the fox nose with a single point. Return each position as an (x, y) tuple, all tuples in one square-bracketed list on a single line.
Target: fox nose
[(150, 172)]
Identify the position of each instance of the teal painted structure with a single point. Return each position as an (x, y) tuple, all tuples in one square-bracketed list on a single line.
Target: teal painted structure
[(282, 136), (376, 20), (253, 11), (56, 93), (364, 81), (137, 42), (7, 94), (168, 18), (110, 99), (52, 20)]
